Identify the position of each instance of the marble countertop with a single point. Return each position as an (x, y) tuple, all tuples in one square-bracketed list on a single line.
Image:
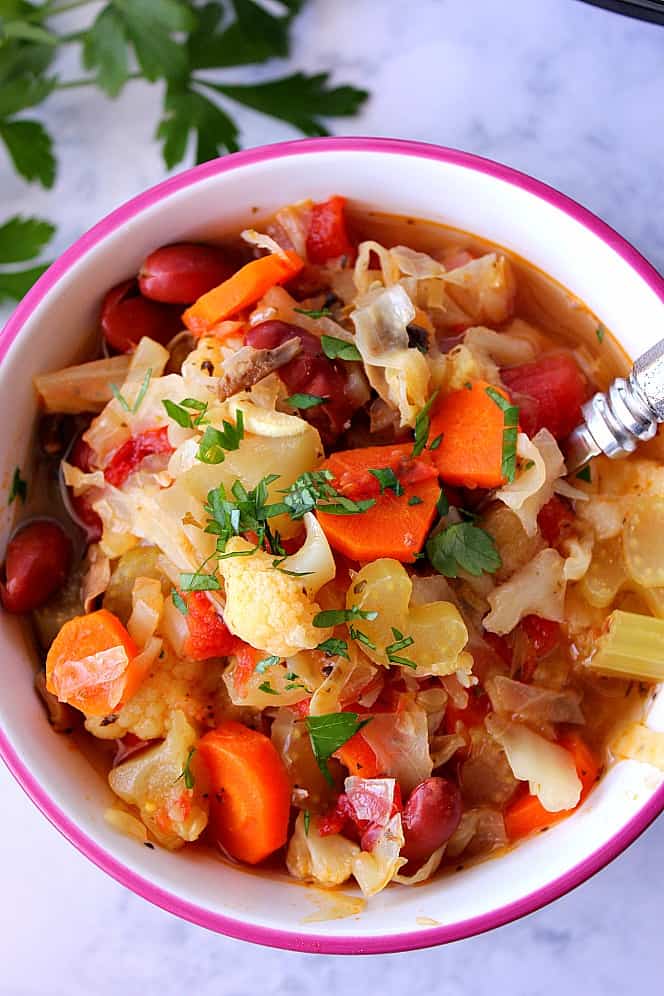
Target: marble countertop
[(565, 91)]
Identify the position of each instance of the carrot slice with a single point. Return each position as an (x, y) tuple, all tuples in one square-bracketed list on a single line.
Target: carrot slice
[(91, 664), (471, 426), (242, 289), (392, 527), (249, 791), (527, 814), (359, 757)]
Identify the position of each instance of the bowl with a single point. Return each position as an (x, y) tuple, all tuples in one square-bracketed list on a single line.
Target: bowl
[(50, 329)]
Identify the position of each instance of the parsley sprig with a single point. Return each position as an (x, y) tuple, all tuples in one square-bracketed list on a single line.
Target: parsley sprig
[(510, 432), (181, 44), (463, 546), (329, 733)]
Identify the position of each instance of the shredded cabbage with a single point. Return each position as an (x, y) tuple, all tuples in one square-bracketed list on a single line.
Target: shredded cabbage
[(538, 588)]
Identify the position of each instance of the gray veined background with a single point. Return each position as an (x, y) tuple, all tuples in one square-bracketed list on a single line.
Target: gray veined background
[(565, 91)]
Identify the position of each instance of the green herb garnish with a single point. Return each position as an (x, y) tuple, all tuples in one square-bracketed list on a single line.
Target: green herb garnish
[(186, 772), (510, 432), (182, 413), (335, 647), (216, 442), (400, 643), (267, 688), (414, 500), (18, 488), (266, 662), (199, 582), (312, 490), (122, 401), (314, 312), (435, 443), (423, 425), (463, 546), (339, 349), (329, 733), (357, 634), (600, 332), (442, 505), (335, 617), (307, 822), (387, 479), (179, 603), (305, 401), (585, 474)]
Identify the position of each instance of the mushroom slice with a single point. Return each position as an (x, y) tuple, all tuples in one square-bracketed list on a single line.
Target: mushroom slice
[(250, 365)]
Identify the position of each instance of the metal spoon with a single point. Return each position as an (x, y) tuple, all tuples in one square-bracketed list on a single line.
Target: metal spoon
[(629, 413)]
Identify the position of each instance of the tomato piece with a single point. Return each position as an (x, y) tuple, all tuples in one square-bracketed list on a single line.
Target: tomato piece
[(182, 272), (208, 634), (327, 237), (534, 639), (36, 565), (473, 715), (310, 372), (126, 317), (555, 520), (246, 659), (131, 454), (549, 392)]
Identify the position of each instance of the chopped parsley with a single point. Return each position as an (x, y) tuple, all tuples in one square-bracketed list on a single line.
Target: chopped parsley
[(122, 401), (442, 505), (387, 479), (339, 349), (313, 490), (338, 648), (463, 547), (186, 772), (335, 617), (266, 662), (414, 500), (267, 688), (314, 312), (510, 432), (179, 603), (435, 443), (585, 474), (199, 582), (215, 442), (422, 426), (600, 332), (18, 489), (307, 822), (305, 401), (330, 732), (357, 634), (182, 413)]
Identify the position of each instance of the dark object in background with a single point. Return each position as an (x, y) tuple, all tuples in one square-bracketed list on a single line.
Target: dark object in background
[(647, 10)]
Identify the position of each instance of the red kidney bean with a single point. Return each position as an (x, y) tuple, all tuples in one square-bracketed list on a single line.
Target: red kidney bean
[(36, 565), (180, 273), (310, 372), (430, 817), (126, 317)]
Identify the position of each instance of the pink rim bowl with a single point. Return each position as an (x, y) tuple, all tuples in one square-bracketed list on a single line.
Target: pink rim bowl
[(49, 329)]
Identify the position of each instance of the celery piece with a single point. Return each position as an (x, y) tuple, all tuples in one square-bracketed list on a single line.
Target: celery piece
[(632, 645)]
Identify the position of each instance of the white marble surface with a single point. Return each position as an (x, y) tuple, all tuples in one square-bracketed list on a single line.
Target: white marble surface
[(567, 92)]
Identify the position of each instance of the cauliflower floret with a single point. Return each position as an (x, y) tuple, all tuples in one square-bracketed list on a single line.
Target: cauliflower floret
[(265, 607), (173, 808), (172, 684)]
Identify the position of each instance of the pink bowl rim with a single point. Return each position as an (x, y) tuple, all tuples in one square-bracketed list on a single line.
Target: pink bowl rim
[(290, 940)]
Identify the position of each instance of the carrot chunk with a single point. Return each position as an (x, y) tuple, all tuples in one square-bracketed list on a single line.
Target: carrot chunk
[(91, 664), (396, 526), (249, 791), (471, 427), (241, 290)]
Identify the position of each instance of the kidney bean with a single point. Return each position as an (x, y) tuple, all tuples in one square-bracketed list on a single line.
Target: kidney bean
[(36, 565), (182, 272), (84, 514), (310, 372), (126, 317), (430, 817)]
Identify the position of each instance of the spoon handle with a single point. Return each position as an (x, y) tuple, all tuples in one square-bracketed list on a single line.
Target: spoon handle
[(629, 413)]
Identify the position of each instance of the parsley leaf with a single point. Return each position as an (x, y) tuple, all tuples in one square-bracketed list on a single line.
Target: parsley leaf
[(422, 426), (23, 238), (18, 489), (31, 150), (357, 634), (315, 313), (105, 49), (510, 432), (179, 602), (307, 822), (16, 284), (401, 642), (255, 35), (149, 25), (334, 647), (216, 442), (265, 686), (305, 401), (585, 474), (187, 773), (329, 733), (199, 582), (186, 110), (265, 663), (242, 511), (182, 413), (339, 349), (463, 546), (313, 490), (387, 479), (122, 401), (414, 500), (600, 332), (334, 617)]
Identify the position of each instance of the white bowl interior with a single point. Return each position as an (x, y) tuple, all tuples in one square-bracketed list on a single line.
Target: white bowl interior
[(52, 337)]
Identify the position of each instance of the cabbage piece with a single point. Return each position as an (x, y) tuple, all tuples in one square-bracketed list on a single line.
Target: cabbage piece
[(643, 541), (96, 578), (372, 799), (83, 388), (364, 277), (640, 743), (313, 561), (541, 464), (344, 682), (538, 588), (485, 777), (606, 574), (153, 782), (483, 289), (416, 264), (126, 824), (327, 860), (261, 241), (147, 606), (425, 871), (493, 350), (480, 831), (579, 555), (265, 607), (532, 703), (400, 742), (275, 685), (549, 769)]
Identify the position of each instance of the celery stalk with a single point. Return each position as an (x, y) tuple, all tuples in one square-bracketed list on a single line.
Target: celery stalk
[(632, 645)]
